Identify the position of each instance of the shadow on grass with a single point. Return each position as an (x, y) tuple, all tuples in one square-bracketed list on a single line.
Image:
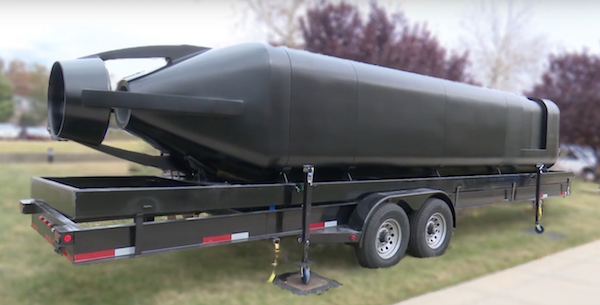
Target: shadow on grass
[(500, 216), (132, 281)]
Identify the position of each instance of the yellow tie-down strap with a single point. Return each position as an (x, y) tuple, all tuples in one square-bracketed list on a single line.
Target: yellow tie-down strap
[(274, 263)]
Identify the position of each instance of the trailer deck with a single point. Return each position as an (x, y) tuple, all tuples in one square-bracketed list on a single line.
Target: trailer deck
[(106, 198), (336, 211)]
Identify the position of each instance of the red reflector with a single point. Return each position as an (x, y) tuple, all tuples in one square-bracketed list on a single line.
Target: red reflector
[(41, 217), (94, 255), (67, 238), (316, 225), (353, 237), (216, 239)]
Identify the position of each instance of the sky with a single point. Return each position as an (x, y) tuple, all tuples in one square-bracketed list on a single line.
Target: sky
[(46, 31)]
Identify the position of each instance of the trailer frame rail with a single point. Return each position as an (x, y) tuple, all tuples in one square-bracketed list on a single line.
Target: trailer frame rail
[(330, 218)]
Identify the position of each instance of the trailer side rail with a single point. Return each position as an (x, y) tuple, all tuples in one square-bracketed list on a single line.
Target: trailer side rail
[(99, 198)]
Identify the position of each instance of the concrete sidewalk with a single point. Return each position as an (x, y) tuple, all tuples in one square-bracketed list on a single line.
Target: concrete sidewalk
[(571, 277)]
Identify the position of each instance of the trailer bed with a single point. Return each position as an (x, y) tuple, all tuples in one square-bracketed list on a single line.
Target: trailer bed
[(105, 198), (238, 213)]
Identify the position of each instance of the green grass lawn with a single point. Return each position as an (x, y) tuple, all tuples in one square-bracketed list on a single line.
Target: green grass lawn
[(66, 147), (121, 141), (486, 240)]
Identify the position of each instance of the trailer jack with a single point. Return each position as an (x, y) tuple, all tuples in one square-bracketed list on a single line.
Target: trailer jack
[(538, 202), (304, 282)]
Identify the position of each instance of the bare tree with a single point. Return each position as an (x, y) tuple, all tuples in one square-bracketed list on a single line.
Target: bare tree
[(281, 19), (505, 54)]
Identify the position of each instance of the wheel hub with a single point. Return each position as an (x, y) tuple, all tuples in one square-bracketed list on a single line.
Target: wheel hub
[(389, 238), (435, 231), (430, 228)]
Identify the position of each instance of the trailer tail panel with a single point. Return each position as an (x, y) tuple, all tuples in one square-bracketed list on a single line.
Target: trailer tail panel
[(90, 256)]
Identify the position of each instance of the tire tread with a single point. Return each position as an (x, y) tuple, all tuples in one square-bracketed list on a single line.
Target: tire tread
[(367, 255), (417, 247)]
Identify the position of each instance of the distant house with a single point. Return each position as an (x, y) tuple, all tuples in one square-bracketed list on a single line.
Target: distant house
[(9, 131), (23, 105), (15, 132), (35, 133)]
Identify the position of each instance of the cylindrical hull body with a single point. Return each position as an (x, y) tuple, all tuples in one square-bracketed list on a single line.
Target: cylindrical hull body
[(305, 108)]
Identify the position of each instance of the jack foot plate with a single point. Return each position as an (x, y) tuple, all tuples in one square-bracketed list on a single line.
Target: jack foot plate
[(293, 283)]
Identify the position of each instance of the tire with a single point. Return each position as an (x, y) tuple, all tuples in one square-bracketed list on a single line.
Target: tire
[(436, 215), (589, 175), (385, 223)]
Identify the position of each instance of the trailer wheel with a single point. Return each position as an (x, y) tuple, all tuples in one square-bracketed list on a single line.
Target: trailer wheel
[(430, 229), (385, 238)]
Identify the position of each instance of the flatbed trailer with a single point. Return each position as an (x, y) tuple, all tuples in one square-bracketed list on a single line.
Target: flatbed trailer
[(382, 219)]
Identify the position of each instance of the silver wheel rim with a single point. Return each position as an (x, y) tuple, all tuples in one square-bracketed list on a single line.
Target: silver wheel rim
[(389, 237), (435, 230)]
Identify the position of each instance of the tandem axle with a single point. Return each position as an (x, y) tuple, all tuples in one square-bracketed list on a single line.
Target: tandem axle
[(382, 219)]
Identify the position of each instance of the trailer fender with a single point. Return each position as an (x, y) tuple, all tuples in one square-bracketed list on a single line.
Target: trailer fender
[(409, 200)]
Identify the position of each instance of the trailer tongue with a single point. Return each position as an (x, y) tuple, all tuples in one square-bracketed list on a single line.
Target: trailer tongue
[(338, 211)]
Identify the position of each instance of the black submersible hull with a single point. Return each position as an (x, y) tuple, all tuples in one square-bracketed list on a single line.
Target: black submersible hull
[(252, 111)]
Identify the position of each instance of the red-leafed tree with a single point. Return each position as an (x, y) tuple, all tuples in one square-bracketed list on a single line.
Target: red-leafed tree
[(19, 77), (386, 40), (30, 83), (572, 81)]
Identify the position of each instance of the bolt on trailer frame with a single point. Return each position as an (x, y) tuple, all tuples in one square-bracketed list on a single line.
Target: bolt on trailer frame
[(336, 211)]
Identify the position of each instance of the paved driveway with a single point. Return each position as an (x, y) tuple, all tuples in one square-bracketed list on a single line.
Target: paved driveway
[(571, 277)]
